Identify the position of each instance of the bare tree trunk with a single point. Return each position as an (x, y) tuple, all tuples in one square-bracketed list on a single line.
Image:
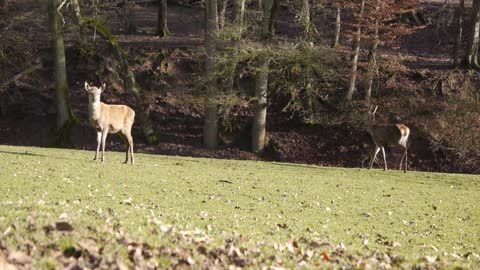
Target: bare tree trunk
[(260, 107), (270, 9), (222, 10), (273, 17), (356, 52), (458, 39), (131, 85), (129, 16), (162, 27), (372, 61), (210, 128), (305, 18), (239, 15), (65, 117), (261, 84), (78, 19), (473, 39), (338, 24)]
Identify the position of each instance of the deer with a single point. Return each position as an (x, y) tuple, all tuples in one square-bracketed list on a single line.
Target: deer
[(106, 118), (387, 135)]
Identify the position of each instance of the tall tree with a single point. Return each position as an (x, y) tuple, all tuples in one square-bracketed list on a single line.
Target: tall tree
[(338, 23), (129, 16), (162, 27), (65, 116), (239, 15), (78, 18), (270, 10), (356, 51), (473, 38), (260, 106), (305, 19), (222, 10), (261, 85), (458, 38), (372, 53), (210, 127)]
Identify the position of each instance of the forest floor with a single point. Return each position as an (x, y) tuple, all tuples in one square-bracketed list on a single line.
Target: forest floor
[(28, 115), (59, 209)]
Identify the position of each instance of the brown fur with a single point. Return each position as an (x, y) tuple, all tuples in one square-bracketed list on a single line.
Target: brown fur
[(387, 135), (107, 118)]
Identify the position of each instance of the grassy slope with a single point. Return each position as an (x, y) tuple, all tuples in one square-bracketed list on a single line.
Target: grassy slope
[(427, 214)]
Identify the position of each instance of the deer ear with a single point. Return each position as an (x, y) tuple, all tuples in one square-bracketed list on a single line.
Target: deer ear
[(104, 86), (87, 87)]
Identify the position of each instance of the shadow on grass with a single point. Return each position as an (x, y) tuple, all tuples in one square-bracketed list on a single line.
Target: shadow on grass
[(22, 154), (26, 153)]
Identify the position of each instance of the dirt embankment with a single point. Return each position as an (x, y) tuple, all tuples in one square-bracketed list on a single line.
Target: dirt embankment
[(28, 113)]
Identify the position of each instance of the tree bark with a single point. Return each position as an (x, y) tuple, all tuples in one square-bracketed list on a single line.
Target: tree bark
[(356, 52), (162, 27), (65, 117), (372, 58), (458, 39), (222, 10), (210, 128), (338, 24), (78, 19), (239, 14), (473, 39), (261, 83), (131, 85), (305, 18), (260, 107), (270, 9), (129, 15)]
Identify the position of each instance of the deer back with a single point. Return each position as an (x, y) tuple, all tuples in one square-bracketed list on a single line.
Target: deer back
[(389, 135)]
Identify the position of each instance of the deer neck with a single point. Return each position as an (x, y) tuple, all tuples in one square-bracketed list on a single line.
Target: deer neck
[(94, 107)]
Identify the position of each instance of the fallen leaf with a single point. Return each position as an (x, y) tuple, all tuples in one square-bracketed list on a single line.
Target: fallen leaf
[(128, 201), (63, 226), (430, 259), (325, 256)]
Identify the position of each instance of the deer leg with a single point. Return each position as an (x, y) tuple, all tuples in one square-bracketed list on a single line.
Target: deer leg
[(384, 158), (401, 160), (130, 146), (99, 141), (127, 146), (405, 170), (104, 138), (377, 149)]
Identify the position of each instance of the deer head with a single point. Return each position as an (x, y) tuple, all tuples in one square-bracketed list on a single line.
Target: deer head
[(94, 92)]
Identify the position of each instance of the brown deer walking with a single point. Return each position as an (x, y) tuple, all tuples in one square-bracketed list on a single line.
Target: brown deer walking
[(110, 119), (387, 135)]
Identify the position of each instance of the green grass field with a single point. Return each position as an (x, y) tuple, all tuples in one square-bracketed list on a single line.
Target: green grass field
[(175, 211)]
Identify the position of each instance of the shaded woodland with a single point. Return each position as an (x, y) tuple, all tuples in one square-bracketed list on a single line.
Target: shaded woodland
[(264, 80)]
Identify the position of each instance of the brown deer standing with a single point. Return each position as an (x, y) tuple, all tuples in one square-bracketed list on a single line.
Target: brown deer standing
[(387, 135), (110, 119)]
